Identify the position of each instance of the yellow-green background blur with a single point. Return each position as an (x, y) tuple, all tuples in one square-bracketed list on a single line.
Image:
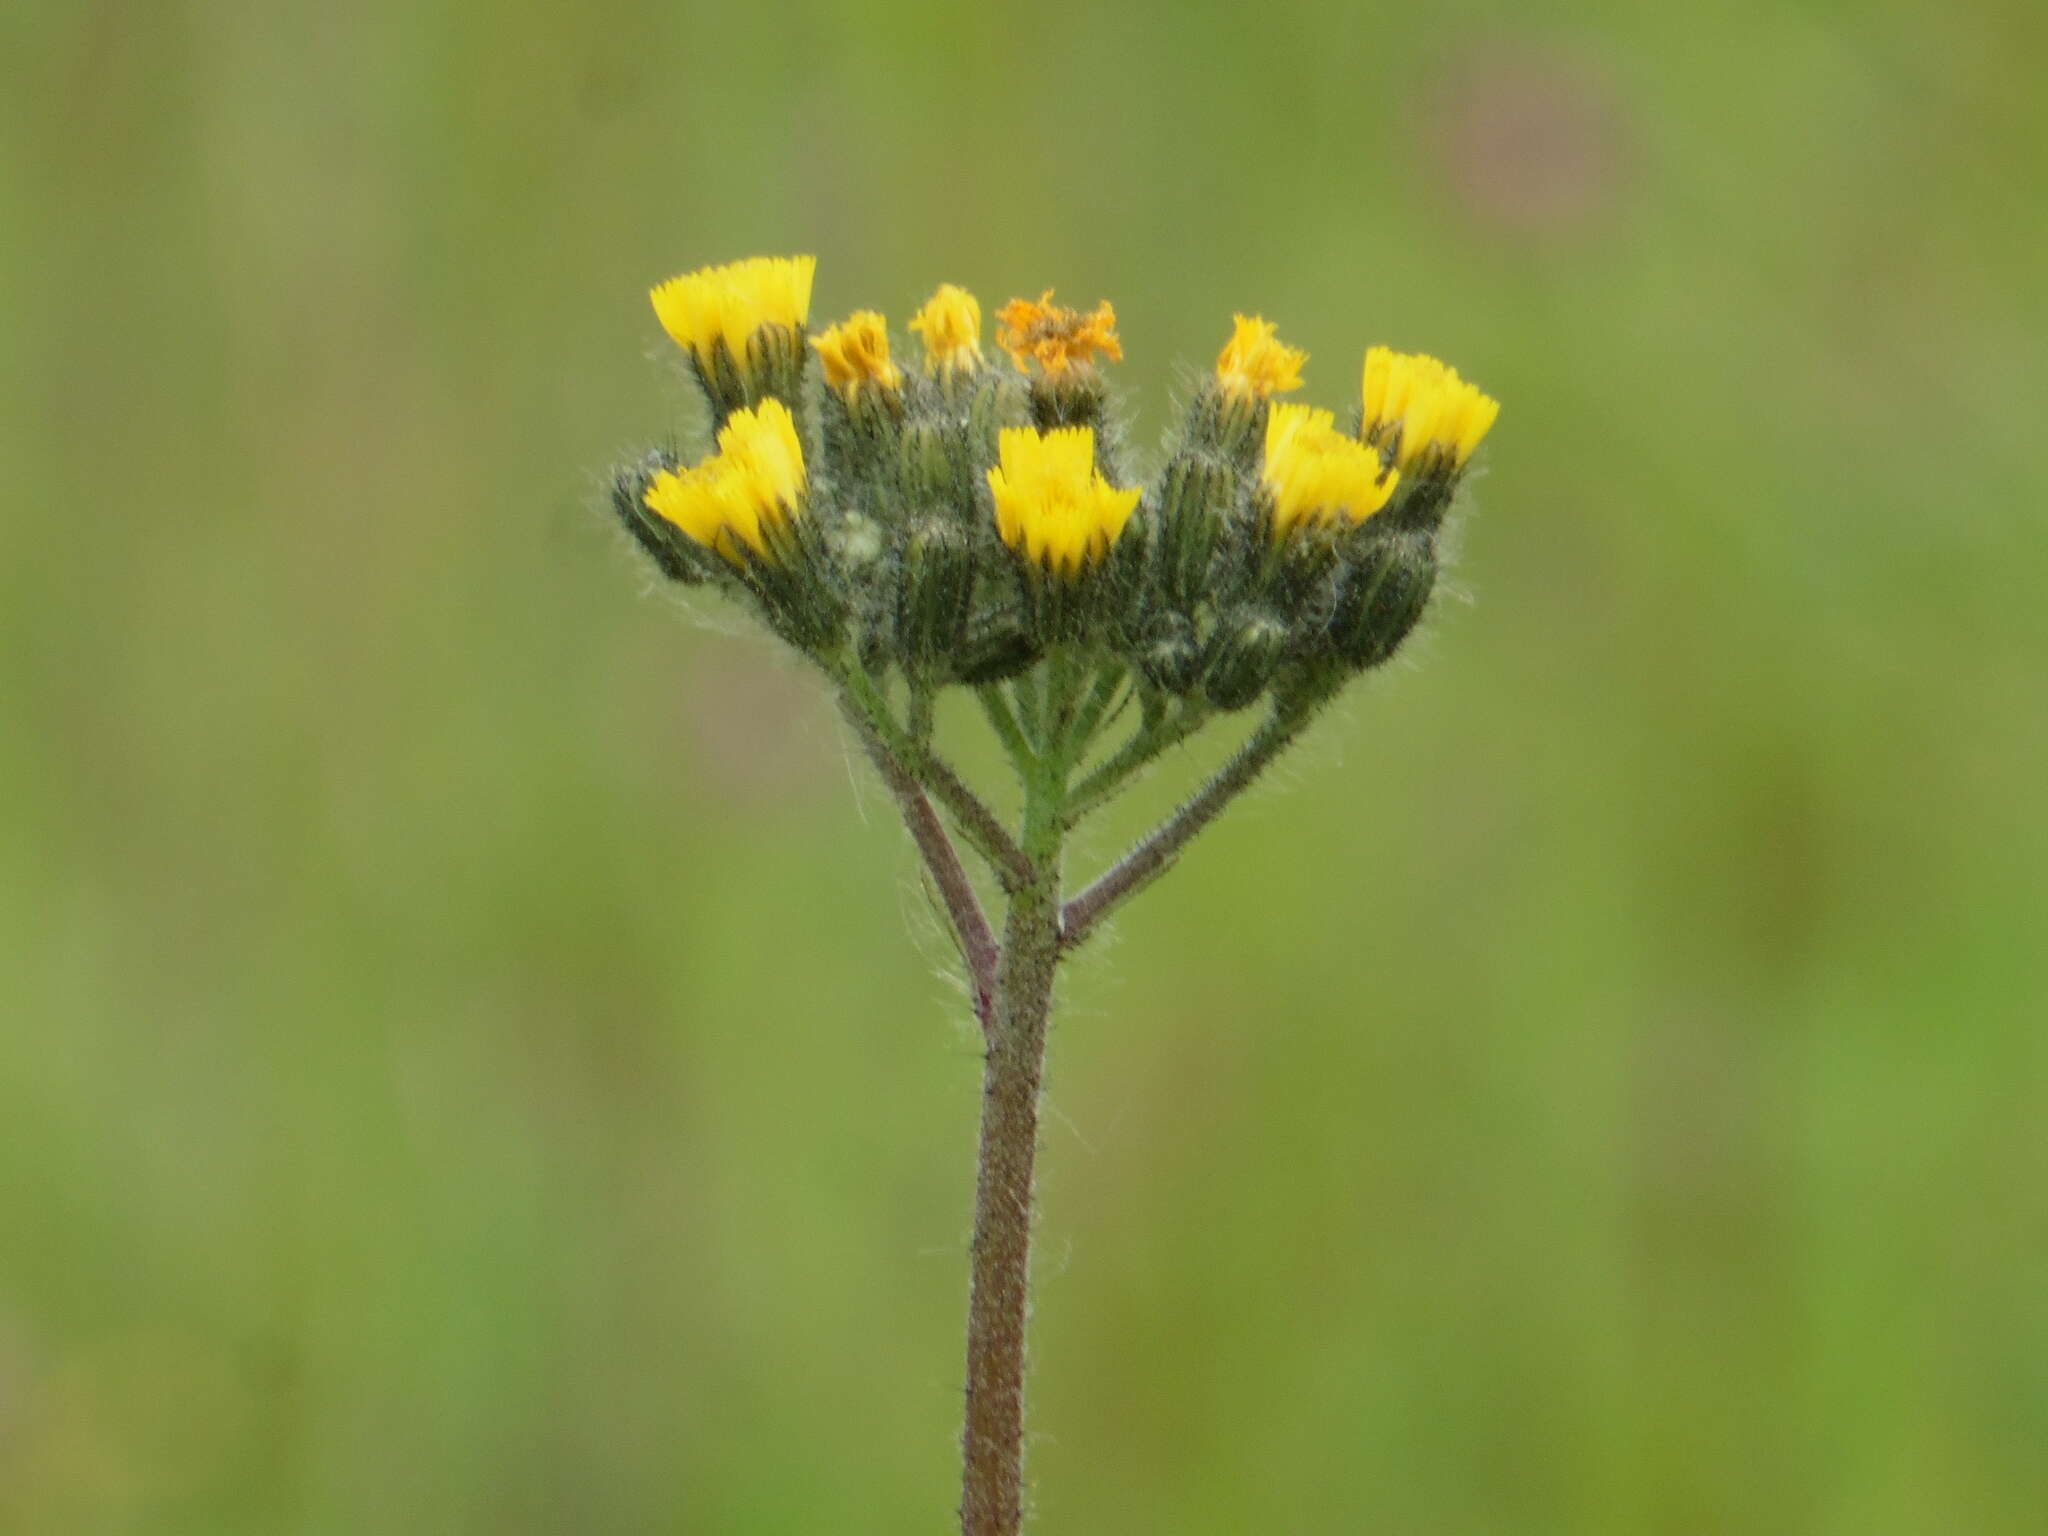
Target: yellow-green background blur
[(477, 1058)]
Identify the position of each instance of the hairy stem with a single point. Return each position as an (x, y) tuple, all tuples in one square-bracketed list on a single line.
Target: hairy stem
[(1062, 680), (978, 824), (921, 715), (1095, 712), (1030, 708), (1014, 983), (1004, 723), (984, 832), (1155, 853), (992, 1442), (1152, 738), (970, 925)]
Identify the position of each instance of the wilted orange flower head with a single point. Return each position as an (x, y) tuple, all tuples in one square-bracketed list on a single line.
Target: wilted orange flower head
[(1060, 338)]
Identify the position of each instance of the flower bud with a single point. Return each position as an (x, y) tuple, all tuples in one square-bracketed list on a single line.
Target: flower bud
[(929, 467), (1380, 596), (935, 592), (998, 400), (1196, 495), (1243, 654), (1170, 659)]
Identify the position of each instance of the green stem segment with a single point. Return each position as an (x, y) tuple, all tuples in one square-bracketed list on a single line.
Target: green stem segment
[(1152, 738), (1001, 720), (1095, 711)]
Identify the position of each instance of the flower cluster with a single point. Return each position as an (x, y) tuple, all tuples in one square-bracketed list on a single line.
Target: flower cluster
[(963, 520)]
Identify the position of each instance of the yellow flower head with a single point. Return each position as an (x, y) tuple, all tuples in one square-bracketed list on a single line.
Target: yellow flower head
[(744, 495), (1058, 337), (1052, 506), (950, 324), (1254, 364), (1316, 474), (856, 352), (730, 303), (1422, 409)]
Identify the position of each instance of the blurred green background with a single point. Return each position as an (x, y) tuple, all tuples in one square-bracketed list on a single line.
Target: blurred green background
[(476, 1056)]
